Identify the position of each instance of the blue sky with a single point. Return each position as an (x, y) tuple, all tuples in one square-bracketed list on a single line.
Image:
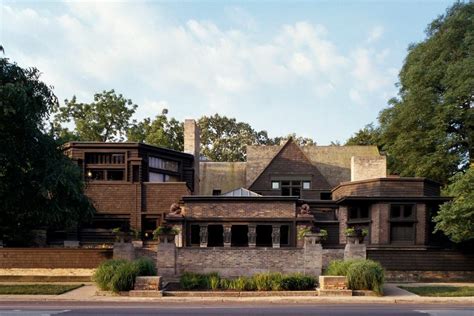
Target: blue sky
[(321, 69)]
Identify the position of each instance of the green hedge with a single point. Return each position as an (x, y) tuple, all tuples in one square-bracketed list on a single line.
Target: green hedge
[(361, 274), (257, 282), (119, 275)]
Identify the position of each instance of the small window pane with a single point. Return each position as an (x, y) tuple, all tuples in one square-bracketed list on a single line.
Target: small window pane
[(296, 192), (285, 183), (275, 185), (298, 183), (285, 191), (395, 211), (306, 185), (353, 214), (408, 211), (364, 212)]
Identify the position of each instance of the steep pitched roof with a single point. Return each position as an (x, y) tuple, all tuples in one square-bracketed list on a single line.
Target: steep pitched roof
[(290, 159)]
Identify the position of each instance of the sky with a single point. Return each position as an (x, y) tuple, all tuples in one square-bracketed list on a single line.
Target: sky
[(320, 69)]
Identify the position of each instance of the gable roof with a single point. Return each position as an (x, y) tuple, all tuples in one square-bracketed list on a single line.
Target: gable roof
[(300, 164), (333, 162), (240, 192)]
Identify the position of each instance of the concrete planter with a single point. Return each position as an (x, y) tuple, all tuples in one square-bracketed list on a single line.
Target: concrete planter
[(137, 243), (355, 239), (166, 238)]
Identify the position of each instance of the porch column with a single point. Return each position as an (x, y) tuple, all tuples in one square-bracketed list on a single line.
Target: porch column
[(203, 235), (252, 235), (276, 235), (227, 235)]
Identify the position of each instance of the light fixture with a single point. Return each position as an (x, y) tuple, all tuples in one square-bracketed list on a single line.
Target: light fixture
[(89, 174)]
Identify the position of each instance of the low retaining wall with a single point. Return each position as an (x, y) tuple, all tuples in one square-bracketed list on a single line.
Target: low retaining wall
[(245, 261), (52, 258)]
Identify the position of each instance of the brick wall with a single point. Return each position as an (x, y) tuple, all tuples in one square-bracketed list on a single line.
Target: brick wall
[(342, 216), (51, 258), (231, 209), (421, 224), (160, 196), (238, 262), (380, 227), (113, 197)]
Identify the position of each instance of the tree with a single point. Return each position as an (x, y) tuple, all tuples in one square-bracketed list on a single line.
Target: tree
[(161, 131), (456, 217), (429, 129), (301, 141), (39, 185), (105, 119), (225, 139), (368, 136)]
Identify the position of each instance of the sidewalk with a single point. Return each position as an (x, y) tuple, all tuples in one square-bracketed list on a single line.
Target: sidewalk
[(393, 295)]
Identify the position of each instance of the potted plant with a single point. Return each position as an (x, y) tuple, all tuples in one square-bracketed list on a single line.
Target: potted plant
[(356, 234), (137, 238), (165, 233), (317, 233), (121, 234)]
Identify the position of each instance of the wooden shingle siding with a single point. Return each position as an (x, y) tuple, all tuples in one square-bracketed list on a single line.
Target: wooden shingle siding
[(423, 260)]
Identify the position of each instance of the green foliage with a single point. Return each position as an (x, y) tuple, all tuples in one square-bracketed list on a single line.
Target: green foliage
[(429, 130), (39, 185), (165, 230), (123, 278), (267, 281), (297, 282), (37, 289), (367, 136), (242, 284), (441, 291), (145, 266), (340, 267), (456, 218), (366, 275), (105, 272), (194, 281), (214, 282), (107, 118), (302, 232), (161, 131)]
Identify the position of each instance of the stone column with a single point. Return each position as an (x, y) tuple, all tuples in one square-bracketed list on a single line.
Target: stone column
[(166, 259), (355, 251), (276, 236), (421, 225), (227, 235), (179, 237), (313, 256), (124, 250), (342, 217), (203, 235), (252, 236)]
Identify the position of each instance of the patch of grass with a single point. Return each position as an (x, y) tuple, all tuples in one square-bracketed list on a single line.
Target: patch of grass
[(440, 291), (37, 289)]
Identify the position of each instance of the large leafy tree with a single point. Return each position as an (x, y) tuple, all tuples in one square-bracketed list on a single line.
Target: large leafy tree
[(429, 129), (225, 139), (456, 217), (159, 132), (39, 185), (369, 135), (107, 118)]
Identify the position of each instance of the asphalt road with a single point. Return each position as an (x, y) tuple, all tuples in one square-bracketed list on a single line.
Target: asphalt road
[(147, 308)]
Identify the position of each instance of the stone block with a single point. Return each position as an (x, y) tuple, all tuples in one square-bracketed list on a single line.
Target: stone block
[(334, 292), (147, 283), (333, 282), (124, 250), (355, 251), (141, 293)]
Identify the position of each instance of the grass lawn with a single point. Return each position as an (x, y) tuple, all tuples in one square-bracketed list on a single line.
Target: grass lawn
[(37, 289), (439, 291)]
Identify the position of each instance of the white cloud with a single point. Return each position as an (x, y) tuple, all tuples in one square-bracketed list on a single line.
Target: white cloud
[(375, 34), (95, 46)]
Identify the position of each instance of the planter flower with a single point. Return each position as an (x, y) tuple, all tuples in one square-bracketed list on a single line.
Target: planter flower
[(122, 235), (356, 235), (317, 233), (165, 233)]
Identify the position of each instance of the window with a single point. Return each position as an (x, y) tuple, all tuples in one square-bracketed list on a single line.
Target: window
[(161, 177), (195, 236), (264, 236), (215, 236), (216, 192), (306, 185), (359, 212), (105, 158), (239, 237), (106, 174), (325, 196), (291, 188), (163, 164), (275, 185), (402, 223)]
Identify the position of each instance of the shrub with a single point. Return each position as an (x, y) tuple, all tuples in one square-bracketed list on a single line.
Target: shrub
[(192, 281), (267, 281), (242, 284), (124, 276), (225, 284), (366, 275), (105, 272), (298, 282), (340, 267), (214, 282), (145, 267)]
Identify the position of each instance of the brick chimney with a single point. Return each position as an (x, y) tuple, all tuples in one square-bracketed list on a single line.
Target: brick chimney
[(192, 143)]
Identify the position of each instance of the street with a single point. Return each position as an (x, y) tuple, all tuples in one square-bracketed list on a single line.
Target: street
[(150, 308)]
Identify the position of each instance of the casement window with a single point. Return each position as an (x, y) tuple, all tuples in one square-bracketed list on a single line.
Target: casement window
[(402, 223), (161, 177), (359, 213), (291, 187), (105, 158), (216, 192)]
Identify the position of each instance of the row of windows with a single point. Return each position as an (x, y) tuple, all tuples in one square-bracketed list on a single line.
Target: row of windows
[(119, 175), (104, 158), (397, 212), (159, 163)]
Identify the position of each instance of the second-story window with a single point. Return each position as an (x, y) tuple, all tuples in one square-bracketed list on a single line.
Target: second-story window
[(164, 164)]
